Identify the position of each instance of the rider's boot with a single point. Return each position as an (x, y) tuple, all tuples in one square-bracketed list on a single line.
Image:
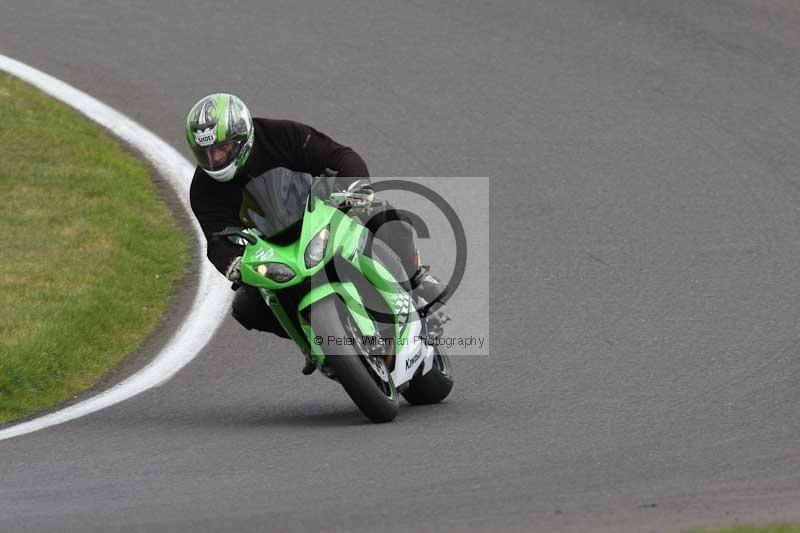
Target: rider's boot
[(429, 292), (427, 286)]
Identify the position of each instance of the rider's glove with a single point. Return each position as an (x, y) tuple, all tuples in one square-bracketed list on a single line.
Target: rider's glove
[(232, 272), (359, 194)]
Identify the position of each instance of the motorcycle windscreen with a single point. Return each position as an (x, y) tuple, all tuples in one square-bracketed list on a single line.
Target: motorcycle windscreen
[(275, 201)]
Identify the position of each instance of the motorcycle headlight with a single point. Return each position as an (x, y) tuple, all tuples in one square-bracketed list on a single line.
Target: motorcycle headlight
[(275, 271), (315, 250)]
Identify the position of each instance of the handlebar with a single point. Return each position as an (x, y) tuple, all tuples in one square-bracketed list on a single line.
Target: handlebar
[(350, 199)]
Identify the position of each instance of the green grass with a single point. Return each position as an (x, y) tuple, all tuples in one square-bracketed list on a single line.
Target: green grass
[(770, 528), (89, 254)]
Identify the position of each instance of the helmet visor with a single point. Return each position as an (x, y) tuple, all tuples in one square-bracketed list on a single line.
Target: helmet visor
[(217, 156)]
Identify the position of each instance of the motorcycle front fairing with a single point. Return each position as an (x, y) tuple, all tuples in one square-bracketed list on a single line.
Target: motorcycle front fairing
[(346, 240)]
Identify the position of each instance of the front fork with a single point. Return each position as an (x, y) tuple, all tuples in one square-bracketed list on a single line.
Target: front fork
[(304, 337)]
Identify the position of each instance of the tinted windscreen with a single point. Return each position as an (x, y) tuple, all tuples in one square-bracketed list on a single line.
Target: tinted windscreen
[(275, 201)]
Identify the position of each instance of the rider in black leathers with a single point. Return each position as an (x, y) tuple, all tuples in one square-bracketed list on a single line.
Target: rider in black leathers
[(231, 148)]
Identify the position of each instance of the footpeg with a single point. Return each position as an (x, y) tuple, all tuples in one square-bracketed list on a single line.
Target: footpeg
[(436, 322)]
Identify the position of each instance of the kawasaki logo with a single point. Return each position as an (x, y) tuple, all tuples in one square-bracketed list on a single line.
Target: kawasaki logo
[(410, 362), (206, 137)]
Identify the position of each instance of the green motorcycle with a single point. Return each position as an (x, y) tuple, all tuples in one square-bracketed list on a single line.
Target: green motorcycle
[(339, 293)]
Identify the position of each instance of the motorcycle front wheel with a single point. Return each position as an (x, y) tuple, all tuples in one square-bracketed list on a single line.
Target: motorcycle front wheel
[(364, 377)]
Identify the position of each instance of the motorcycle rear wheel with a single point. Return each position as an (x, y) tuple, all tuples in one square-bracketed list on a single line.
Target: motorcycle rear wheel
[(434, 386)]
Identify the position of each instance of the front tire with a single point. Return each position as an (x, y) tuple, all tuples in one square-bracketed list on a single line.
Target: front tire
[(376, 397)]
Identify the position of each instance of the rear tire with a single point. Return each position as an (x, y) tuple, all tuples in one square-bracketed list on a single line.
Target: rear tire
[(434, 386), (376, 398)]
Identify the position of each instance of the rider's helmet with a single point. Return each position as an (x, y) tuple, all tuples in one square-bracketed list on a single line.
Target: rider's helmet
[(219, 129)]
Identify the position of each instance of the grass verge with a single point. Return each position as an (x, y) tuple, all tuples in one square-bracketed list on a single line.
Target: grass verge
[(89, 253), (769, 528)]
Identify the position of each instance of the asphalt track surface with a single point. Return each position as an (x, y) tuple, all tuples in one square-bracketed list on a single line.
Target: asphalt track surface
[(645, 234)]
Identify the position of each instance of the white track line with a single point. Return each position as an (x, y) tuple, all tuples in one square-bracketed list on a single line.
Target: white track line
[(212, 300)]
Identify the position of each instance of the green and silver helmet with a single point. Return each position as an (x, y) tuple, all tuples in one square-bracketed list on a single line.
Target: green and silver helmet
[(219, 129)]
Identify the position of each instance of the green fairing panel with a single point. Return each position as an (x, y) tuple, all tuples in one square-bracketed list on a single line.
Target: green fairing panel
[(386, 285), (347, 238), (342, 238), (351, 299)]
